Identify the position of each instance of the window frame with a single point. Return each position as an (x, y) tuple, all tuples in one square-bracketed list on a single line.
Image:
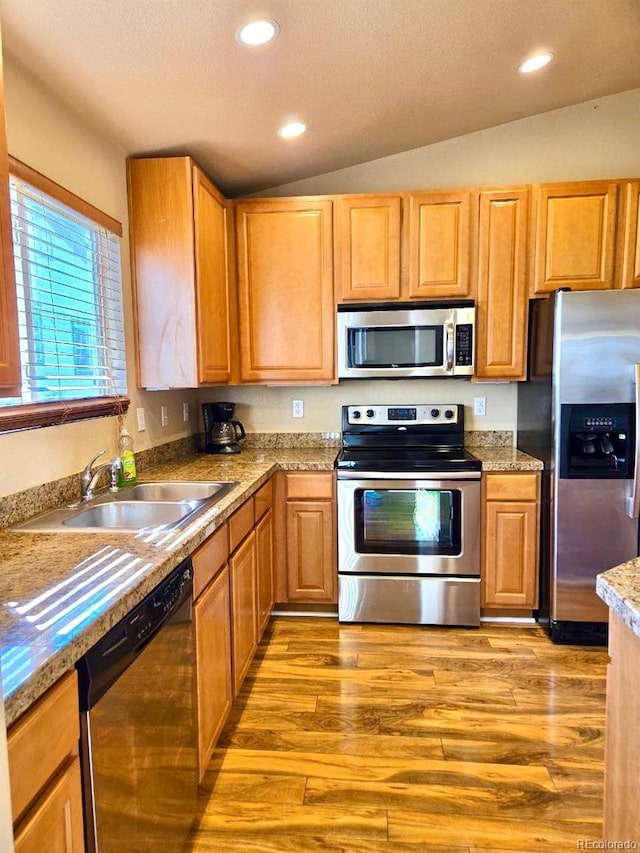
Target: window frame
[(32, 415)]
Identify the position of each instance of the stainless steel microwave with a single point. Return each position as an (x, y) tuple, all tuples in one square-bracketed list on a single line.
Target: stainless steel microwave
[(394, 340)]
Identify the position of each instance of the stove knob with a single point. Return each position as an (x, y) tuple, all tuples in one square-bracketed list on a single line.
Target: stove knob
[(435, 413), (356, 415), (449, 414), (370, 413)]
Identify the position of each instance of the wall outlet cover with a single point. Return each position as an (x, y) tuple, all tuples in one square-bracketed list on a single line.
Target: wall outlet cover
[(480, 406), (164, 416), (185, 412), (297, 408), (141, 421)]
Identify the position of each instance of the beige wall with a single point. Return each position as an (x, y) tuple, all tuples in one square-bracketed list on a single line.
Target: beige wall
[(269, 409), (44, 134)]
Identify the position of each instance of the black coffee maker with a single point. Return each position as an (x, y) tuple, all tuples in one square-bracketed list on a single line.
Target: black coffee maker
[(221, 432)]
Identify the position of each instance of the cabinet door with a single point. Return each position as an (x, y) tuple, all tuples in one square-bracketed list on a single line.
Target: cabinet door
[(509, 577), (440, 244), (212, 281), (311, 562), (9, 347), (213, 665), (629, 253), (264, 548), (574, 236), (163, 267), (502, 304), (368, 247), (242, 567), (285, 283), (55, 822)]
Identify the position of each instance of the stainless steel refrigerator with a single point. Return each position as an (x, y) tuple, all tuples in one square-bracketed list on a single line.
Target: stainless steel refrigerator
[(578, 412)]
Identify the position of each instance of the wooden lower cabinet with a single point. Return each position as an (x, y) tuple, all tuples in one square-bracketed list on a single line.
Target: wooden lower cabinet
[(509, 567), (622, 742), (264, 557), (244, 631), (55, 822), (311, 563), (44, 771), (213, 664)]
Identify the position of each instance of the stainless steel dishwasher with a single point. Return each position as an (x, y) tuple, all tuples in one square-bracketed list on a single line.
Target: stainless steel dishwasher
[(138, 726)]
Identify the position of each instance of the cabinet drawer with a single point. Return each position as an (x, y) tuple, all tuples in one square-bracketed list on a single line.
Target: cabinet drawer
[(209, 558), (511, 487), (309, 486), (263, 499), (240, 524), (41, 740)]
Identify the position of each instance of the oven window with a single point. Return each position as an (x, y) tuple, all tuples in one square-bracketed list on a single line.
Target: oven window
[(397, 346), (408, 521)]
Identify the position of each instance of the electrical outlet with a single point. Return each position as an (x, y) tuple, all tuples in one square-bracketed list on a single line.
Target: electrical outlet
[(141, 421), (297, 408), (480, 406), (185, 412), (164, 416)]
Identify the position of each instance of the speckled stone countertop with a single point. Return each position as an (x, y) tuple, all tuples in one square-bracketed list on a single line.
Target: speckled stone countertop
[(34, 654), (505, 459), (620, 589)]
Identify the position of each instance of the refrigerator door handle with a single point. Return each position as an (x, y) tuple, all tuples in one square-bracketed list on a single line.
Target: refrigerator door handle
[(633, 503)]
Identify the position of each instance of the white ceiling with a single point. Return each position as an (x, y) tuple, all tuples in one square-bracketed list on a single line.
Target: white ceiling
[(369, 77)]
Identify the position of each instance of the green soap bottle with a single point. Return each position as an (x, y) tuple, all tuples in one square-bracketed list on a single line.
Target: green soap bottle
[(127, 471)]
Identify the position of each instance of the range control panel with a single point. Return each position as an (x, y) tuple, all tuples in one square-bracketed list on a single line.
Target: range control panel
[(419, 415)]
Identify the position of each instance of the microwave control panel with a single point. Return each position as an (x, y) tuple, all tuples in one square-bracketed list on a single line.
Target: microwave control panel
[(464, 345)]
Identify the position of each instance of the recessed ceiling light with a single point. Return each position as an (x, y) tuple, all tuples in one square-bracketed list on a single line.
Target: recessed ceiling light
[(289, 131), (535, 63), (258, 32)]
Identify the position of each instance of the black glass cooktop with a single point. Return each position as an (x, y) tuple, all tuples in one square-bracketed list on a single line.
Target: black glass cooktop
[(408, 459)]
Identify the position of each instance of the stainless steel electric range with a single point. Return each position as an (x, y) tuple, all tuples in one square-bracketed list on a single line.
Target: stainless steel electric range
[(408, 517)]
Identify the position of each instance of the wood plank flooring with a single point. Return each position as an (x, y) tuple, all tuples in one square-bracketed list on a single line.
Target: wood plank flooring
[(372, 738)]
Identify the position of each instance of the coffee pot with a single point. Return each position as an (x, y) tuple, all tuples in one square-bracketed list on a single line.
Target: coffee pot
[(221, 432)]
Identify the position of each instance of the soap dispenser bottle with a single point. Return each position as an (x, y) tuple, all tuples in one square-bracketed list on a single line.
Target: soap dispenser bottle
[(127, 471)]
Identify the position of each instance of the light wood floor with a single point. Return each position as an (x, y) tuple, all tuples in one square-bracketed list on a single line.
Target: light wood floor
[(371, 738)]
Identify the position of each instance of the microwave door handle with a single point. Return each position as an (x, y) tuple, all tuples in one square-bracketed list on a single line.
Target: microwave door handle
[(633, 503), (449, 332)]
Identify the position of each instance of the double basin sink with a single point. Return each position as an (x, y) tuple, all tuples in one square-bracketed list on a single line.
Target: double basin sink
[(168, 504)]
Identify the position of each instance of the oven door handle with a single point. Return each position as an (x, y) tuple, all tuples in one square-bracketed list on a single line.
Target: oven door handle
[(633, 502), (449, 333)]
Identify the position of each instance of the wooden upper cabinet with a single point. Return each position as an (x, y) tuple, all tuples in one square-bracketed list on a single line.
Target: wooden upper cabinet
[(629, 236), (9, 345), (502, 304), (441, 227), (180, 274), (574, 240), (285, 287), (367, 253), (212, 282)]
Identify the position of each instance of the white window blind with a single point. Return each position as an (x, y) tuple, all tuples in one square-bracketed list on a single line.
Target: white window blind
[(69, 297)]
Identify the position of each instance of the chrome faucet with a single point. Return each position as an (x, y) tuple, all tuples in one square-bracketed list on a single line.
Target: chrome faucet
[(90, 476)]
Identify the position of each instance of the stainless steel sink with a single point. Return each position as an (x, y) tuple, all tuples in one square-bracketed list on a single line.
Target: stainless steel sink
[(162, 503), (178, 490), (132, 514)]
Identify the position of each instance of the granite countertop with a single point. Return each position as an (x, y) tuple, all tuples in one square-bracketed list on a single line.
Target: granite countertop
[(505, 459), (38, 567), (620, 589)]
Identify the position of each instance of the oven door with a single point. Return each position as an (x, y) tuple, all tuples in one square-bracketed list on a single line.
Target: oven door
[(395, 524)]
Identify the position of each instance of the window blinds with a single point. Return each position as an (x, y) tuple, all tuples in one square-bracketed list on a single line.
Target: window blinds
[(69, 301)]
